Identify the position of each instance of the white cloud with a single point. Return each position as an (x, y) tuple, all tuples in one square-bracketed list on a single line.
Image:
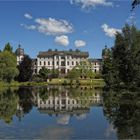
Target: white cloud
[(62, 40), (91, 3), (52, 26), (63, 120), (79, 43), (29, 27), (28, 16), (111, 32), (81, 116)]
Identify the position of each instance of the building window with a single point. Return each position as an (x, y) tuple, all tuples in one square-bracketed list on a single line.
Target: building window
[(48, 63), (63, 101), (63, 63), (53, 101), (95, 70), (68, 63), (62, 57), (40, 63), (35, 71), (53, 63), (57, 63), (72, 63), (44, 63), (76, 63)]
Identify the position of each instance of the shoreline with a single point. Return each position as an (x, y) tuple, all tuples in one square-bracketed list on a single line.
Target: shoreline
[(57, 81)]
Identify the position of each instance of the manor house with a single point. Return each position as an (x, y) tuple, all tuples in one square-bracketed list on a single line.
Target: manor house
[(64, 61)]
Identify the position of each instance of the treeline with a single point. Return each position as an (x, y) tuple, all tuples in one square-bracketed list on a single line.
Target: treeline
[(10, 71), (8, 64), (121, 63)]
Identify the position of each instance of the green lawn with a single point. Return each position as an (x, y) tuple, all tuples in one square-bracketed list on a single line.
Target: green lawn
[(57, 81), (64, 81), (14, 84)]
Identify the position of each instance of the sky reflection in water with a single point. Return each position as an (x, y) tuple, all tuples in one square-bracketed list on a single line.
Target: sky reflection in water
[(68, 113)]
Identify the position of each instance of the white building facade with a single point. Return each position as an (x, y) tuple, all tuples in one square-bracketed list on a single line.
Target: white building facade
[(96, 65), (64, 61)]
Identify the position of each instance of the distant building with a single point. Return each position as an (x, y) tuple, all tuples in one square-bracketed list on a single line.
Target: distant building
[(20, 54), (64, 61), (96, 65)]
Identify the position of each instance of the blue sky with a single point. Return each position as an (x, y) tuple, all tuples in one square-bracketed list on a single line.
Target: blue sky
[(88, 25)]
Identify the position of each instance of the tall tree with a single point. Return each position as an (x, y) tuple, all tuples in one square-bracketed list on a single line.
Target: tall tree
[(8, 66), (125, 59), (83, 70), (135, 3), (122, 55), (8, 47), (25, 69), (136, 57), (107, 66)]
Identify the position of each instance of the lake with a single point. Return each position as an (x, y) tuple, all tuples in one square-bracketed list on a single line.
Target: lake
[(63, 112)]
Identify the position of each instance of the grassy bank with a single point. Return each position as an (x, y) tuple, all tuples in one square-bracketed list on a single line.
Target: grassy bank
[(62, 81), (96, 82), (15, 84)]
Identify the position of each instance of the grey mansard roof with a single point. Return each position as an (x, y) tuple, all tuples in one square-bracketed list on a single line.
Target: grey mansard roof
[(95, 60), (76, 53)]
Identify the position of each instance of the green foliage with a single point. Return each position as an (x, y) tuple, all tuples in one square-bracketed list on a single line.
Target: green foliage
[(122, 109), (82, 70), (26, 98), (25, 69), (122, 66), (43, 73), (8, 47), (8, 105), (8, 64), (74, 74), (54, 73)]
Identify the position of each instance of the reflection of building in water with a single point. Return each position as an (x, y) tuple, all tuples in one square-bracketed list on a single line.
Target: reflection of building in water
[(59, 101), (64, 102)]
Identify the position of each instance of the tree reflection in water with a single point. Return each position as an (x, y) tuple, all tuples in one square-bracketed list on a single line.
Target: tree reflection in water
[(8, 104), (50, 100), (122, 109), (64, 102)]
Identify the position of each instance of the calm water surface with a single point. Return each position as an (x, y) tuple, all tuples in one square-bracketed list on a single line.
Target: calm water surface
[(68, 113)]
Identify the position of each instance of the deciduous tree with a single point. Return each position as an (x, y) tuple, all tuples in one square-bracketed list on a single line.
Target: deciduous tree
[(25, 69)]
